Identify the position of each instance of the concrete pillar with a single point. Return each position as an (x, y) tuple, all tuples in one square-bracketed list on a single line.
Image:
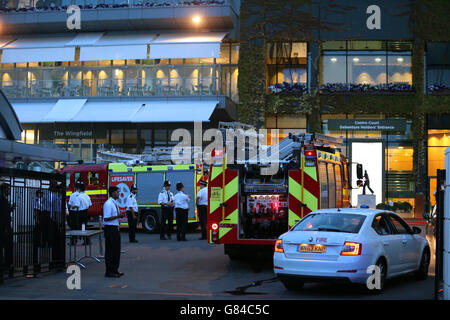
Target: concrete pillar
[(446, 268)]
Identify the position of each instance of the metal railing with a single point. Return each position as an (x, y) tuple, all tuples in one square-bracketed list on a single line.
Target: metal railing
[(33, 240), (23, 5), (111, 87)]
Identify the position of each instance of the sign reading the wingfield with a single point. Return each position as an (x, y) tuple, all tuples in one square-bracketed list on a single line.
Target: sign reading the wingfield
[(73, 133), (367, 124)]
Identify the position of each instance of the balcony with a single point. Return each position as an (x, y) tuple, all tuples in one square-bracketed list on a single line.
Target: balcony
[(37, 16), (161, 81)]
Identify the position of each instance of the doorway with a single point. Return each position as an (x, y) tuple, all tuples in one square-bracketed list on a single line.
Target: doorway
[(371, 156)]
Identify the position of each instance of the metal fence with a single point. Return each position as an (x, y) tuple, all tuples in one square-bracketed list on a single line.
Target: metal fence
[(32, 228)]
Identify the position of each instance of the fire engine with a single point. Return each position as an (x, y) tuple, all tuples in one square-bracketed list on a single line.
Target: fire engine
[(247, 211), (149, 180)]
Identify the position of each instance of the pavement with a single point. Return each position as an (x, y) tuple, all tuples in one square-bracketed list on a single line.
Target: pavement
[(166, 270)]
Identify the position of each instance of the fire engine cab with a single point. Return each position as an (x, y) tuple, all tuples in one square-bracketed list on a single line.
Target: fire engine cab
[(248, 210)]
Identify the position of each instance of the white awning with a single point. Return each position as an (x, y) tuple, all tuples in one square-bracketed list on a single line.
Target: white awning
[(39, 49), (178, 46), (175, 111), (32, 112), (118, 46), (65, 110), (113, 52), (85, 39), (107, 111)]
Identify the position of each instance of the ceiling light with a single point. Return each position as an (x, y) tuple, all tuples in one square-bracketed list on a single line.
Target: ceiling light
[(377, 59), (355, 59), (333, 59), (400, 59), (196, 19)]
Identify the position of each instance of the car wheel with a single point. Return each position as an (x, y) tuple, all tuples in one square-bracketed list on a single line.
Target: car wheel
[(150, 223), (422, 272), (292, 284), (381, 264)]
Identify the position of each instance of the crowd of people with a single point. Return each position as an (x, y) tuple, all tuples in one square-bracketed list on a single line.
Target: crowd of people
[(47, 206)]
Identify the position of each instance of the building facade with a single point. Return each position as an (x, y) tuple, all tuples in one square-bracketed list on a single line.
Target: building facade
[(374, 73), (126, 78)]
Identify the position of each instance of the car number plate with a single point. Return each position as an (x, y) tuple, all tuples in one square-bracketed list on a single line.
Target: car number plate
[(315, 248)]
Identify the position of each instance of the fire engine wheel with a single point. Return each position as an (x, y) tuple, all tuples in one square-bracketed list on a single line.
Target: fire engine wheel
[(150, 222)]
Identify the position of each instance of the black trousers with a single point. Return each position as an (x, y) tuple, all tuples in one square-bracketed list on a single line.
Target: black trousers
[(166, 222), (112, 249), (6, 249), (131, 226), (74, 222), (83, 217), (182, 220), (203, 216)]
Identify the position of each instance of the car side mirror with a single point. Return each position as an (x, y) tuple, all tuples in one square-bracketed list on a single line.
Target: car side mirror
[(416, 230)]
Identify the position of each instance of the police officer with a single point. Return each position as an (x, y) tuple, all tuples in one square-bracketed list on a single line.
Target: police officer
[(74, 218), (165, 199), (84, 202), (111, 217), (181, 209), (132, 211), (202, 206)]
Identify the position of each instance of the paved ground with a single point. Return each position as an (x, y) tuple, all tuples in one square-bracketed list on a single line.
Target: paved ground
[(194, 269)]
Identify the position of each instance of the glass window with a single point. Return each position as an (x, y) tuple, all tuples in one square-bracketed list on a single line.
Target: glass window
[(331, 186), (339, 191), (367, 69), (130, 137), (399, 69), (146, 137), (334, 68), (117, 136), (323, 177), (400, 227), (78, 177), (160, 137), (366, 62), (287, 62), (329, 222), (92, 179), (380, 225), (438, 141), (399, 158)]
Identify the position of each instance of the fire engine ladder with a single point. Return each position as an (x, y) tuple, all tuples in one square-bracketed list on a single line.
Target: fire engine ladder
[(288, 146), (158, 155)]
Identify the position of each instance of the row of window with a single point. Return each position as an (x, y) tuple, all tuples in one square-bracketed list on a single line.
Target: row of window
[(331, 185)]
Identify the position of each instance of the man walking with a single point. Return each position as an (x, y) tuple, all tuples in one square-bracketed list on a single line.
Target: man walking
[(202, 207), (132, 211), (111, 216), (165, 200), (181, 209)]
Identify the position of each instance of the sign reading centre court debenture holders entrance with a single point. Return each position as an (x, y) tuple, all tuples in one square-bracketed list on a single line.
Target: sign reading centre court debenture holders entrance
[(367, 124)]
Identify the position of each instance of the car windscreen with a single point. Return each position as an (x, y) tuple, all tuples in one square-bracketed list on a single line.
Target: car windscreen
[(331, 222)]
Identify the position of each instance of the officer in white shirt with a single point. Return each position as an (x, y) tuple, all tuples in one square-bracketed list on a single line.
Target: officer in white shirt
[(132, 212), (111, 217), (74, 218), (84, 202), (165, 200), (181, 201), (202, 207)]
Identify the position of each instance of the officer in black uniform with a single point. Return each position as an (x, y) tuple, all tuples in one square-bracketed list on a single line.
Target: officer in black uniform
[(165, 199), (132, 212)]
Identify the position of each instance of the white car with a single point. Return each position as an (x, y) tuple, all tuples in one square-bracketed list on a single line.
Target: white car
[(341, 244)]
